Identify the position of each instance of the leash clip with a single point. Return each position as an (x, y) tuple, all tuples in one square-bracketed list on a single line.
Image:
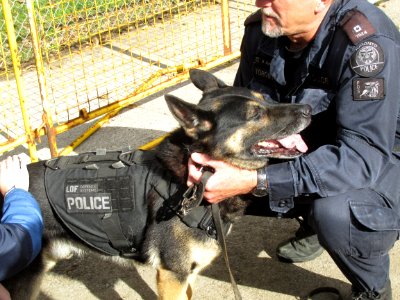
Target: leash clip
[(189, 198), (194, 194)]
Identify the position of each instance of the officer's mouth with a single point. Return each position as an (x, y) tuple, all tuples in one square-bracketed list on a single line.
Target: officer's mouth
[(269, 16)]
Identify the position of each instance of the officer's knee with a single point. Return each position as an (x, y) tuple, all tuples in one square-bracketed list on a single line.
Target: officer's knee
[(331, 221)]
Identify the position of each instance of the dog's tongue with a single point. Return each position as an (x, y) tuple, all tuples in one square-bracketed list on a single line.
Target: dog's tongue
[(294, 141)]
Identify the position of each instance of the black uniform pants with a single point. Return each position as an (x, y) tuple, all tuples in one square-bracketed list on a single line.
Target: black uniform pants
[(357, 241), (354, 228)]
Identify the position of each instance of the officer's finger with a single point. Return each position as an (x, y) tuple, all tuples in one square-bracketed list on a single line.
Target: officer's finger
[(200, 158), (194, 173)]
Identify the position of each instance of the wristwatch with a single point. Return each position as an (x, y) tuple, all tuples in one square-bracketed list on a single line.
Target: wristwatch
[(261, 188)]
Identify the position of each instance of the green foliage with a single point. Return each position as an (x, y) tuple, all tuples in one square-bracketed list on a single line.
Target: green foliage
[(65, 22)]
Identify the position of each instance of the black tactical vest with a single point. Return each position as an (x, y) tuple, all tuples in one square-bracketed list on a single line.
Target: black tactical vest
[(101, 197)]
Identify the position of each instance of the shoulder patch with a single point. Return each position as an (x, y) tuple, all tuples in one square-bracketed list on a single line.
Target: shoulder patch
[(368, 89), (357, 26), (368, 60), (254, 17)]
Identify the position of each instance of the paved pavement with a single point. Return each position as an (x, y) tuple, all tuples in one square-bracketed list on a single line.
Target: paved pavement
[(251, 245)]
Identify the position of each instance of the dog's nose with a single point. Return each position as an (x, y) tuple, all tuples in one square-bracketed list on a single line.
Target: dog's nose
[(306, 110)]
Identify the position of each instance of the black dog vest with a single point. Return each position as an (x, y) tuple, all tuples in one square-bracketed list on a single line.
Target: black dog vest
[(101, 196)]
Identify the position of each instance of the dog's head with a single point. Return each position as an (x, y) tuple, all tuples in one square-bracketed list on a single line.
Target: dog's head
[(236, 124)]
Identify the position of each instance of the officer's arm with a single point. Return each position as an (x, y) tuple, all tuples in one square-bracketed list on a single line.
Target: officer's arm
[(367, 111)]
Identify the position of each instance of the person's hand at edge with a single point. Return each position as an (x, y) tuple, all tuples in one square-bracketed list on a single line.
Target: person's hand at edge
[(13, 174)]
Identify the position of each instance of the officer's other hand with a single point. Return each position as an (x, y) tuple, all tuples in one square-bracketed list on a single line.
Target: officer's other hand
[(13, 173)]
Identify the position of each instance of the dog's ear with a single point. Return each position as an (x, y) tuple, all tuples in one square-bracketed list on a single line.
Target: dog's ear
[(204, 80), (193, 120)]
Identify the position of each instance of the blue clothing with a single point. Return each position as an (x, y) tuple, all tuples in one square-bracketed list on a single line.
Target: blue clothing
[(360, 252), (353, 140), (21, 230), (350, 176)]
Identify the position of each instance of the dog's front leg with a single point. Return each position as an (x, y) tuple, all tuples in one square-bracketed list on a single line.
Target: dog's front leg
[(170, 287)]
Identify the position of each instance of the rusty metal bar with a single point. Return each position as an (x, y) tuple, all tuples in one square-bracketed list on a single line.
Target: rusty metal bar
[(12, 41), (46, 116)]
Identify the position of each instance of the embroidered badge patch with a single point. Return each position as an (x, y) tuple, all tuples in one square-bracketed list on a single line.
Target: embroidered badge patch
[(368, 60), (368, 89)]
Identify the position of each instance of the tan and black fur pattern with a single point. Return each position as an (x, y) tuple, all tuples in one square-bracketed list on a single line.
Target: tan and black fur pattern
[(226, 124)]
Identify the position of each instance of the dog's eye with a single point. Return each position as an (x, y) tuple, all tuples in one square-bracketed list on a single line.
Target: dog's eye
[(254, 113)]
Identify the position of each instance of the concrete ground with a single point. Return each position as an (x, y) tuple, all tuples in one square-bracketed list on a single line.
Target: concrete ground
[(251, 245)]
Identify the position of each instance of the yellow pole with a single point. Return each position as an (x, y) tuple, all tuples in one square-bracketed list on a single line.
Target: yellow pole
[(18, 77), (226, 27), (10, 145), (153, 143), (46, 117)]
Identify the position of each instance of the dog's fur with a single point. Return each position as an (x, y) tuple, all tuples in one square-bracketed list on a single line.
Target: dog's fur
[(227, 124)]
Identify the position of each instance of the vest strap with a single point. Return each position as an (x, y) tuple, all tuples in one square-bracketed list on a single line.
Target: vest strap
[(112, 227)]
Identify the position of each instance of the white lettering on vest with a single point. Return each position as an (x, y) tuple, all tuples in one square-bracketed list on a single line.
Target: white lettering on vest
[(89, 204), (71, 188)]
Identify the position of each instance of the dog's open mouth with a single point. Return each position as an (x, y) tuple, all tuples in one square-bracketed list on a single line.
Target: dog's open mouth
[(276, 148)]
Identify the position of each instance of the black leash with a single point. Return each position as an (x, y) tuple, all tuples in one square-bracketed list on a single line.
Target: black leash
[(221, 239), (219, 228)]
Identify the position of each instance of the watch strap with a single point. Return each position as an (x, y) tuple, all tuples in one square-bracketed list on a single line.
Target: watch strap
[(261, 178)]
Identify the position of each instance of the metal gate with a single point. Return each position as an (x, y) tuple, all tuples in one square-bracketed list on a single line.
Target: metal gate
[(65, 62)]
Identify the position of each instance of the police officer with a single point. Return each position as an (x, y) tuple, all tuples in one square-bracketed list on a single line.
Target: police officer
[(342, 57)]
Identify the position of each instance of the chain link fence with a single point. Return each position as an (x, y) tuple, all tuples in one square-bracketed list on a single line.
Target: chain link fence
[(64, 62)]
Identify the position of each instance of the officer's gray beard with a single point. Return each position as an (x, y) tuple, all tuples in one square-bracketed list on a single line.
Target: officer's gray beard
[(272, 32)]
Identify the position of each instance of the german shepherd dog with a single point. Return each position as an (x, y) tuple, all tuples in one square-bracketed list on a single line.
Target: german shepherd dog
[(232, 124)]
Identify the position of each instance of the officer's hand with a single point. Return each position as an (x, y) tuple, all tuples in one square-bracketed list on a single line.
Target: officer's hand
[(227, 180), (13, 173)]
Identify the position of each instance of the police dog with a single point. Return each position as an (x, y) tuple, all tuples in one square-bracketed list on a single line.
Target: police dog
[(229, 123)]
